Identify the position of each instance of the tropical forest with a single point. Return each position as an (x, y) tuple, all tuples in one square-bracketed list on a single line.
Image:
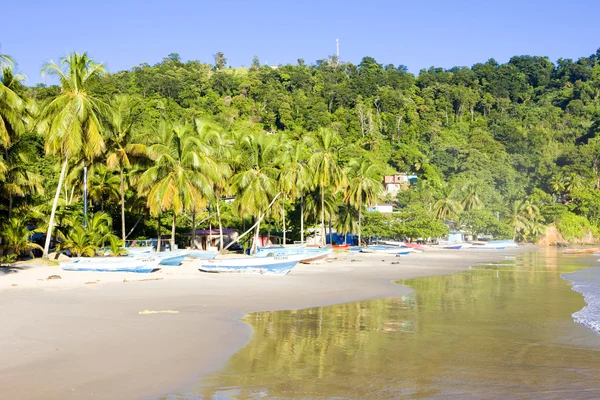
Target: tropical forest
[(95, 158)]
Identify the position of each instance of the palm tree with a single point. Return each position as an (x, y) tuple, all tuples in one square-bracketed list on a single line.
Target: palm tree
[(447, 206), (471, 199), (216, 153), (516, 219), (365, 186), (19, 180), (256, 183), (80, 242), (15, 238), (294, 178), (178, 180), (13, 108), (346, 222), (103, 184), (325, 167), (71, 120), (123, 144)]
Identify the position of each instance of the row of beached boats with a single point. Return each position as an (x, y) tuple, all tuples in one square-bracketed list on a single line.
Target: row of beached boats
[(268, 260), (275, 260)]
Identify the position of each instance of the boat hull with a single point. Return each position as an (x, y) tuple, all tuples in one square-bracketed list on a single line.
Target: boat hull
[(279, 265)]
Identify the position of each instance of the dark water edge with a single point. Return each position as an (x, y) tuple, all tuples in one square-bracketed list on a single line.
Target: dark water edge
[(497, 330)]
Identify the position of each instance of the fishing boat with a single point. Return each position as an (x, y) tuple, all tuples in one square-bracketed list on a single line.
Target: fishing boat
[(274, 265), (202, 254), (506, 243), (306, 255), (487, 245), (341, 246), (385, 250), (113, 264), (452, 246)]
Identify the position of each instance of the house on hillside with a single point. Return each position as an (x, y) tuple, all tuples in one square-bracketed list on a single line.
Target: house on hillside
[(382, 208), (394, 183)]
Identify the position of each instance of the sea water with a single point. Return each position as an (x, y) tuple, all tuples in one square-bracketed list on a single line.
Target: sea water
[(502, 330), (587, 282)]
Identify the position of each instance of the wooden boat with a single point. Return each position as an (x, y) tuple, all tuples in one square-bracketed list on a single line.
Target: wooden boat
[(341, 246), (276, 265), (582, 251), (452, 246), (385, 250), (113, 264)]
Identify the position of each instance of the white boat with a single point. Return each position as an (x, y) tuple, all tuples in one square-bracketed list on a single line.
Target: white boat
[(276, 265)]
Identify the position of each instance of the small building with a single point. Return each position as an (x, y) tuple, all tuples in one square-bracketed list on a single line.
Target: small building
[(382, 208), (209, 239), (394, 183)]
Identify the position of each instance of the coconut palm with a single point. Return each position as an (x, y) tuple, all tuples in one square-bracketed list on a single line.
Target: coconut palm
[(20, 180), (294, 178), (324, 166), (71, 120), (447, 207), (346, 221), (179, 180), (256, 183), (103, 184), (15, 238), (79, 241), (123, 143), (516, 219), (216, 153), (365, 186), (471, 199)]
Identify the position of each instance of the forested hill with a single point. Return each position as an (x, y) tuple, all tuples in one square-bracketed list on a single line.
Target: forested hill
[(514, 141)]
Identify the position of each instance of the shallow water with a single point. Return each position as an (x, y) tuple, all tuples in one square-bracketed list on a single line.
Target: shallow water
[(501, 330)]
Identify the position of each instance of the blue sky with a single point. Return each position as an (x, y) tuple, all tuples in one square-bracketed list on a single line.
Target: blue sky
[(418, 34)]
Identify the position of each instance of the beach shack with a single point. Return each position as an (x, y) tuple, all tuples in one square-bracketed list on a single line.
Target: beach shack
[(209, 239)]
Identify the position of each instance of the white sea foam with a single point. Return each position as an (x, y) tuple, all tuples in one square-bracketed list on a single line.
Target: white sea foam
[(587, 282)]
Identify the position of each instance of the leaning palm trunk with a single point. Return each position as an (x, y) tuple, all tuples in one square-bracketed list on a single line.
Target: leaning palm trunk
[(260, 217), (193, 245), (359, 221), (256, 233), (54, 206), (122, 188), (158, 232)]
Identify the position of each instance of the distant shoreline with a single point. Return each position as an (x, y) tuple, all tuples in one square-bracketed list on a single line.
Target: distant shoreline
[(78, 338)]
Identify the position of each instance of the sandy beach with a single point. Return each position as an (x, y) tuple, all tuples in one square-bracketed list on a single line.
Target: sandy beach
[(86, 335)]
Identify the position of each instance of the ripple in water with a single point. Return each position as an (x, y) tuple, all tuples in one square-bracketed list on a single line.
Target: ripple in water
[(587, 282)]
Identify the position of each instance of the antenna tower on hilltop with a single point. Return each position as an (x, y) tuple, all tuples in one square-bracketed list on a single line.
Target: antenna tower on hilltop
[(337, 49)]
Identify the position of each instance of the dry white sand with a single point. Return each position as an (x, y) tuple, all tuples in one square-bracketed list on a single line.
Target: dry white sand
[(82, 336)]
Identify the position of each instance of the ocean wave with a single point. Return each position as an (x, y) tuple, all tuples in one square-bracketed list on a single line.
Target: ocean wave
[(587, 282)]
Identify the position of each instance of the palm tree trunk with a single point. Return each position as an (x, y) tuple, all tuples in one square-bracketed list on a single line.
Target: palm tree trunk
[(359, 221), (54, 206), (173, 232), (256, 232), (283, 222), (122, 206), (10, 206), (193, 245), (302, 218), (323, 240), (220, 226), (158, 232)]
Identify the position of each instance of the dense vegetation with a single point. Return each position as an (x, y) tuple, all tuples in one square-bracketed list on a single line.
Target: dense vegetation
[(504, 149)]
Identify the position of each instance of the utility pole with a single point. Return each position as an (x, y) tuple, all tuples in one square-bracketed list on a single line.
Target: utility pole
[(337, 49)]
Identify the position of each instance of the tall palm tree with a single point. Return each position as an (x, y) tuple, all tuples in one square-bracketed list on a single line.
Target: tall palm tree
[(178, 180), (517, 219), (294, 178), (103, 184), (14, 113), (15, 238), (365, 186), (325, 167), (256, 183), (123, 143), (216, 153), (71, 120), (346, 222)]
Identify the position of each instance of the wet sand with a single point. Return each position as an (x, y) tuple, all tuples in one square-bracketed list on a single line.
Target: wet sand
[(65, 339)]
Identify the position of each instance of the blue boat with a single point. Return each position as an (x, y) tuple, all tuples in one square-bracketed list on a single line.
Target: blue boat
[(452, 246), (385, 249), (172, 261), (275, 265), (113, 264), (306, 254), (202, 254)]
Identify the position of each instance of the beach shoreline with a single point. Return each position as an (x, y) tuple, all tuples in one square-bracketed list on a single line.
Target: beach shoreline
[(82, 336)]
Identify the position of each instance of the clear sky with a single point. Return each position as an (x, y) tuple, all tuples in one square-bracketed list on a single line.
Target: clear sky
[(418, 34)]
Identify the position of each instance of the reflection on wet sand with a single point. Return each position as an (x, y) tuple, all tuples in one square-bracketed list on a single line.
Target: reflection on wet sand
[(497, 330)]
